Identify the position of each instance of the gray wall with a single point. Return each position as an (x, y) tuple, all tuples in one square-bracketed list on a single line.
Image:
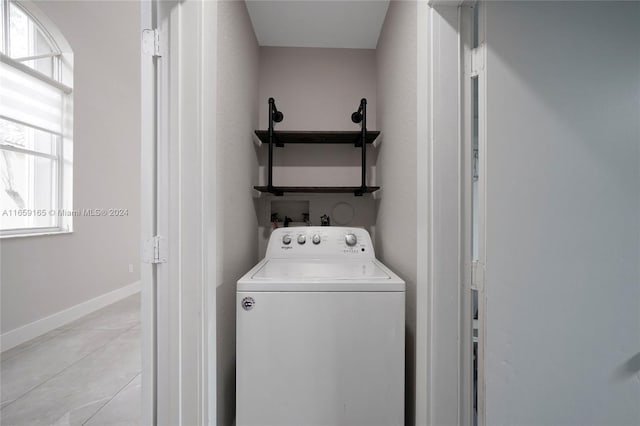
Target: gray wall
[(237, 172), (396, 242), (317, 89), (46, 274), (563, 213)]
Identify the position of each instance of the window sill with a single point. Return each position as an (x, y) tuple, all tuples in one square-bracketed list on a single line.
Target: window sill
[(34, 234)]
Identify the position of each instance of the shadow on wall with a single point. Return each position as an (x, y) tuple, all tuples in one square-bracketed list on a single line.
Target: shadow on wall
[(410, 379), (226, 353), (628, 369)]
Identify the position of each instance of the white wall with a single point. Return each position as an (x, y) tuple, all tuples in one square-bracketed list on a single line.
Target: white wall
[(396, 241), (47, 274), (237, 172), (563, 213)]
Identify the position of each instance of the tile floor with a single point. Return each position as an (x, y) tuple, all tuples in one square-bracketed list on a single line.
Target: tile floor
[(84, 373)]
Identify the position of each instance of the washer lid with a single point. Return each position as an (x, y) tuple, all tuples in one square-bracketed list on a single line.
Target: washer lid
[(319, 270)]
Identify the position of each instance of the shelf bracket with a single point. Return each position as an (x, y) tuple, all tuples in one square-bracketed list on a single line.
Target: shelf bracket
[(274, 116), (360, 116)]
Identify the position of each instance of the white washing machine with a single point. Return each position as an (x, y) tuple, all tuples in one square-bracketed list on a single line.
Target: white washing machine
[(320, 333)]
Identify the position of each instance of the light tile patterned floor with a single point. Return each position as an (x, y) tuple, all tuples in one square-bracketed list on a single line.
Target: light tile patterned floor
[(85, 373)]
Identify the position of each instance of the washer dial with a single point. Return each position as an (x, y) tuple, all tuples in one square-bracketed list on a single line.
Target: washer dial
[(351, 239)]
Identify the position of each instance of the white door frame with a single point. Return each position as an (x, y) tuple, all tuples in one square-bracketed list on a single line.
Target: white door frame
[(444, 275), (179, 206), (473, 65), (148, 221)]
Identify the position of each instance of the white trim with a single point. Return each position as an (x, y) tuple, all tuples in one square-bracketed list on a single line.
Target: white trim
[(466, 161), (24, 123), (32, 232), (36, 74), (36, 57), (17, 149), (185, 284), (148, 308), (209, 154), (66, 59), (166, 278), (482, 209), (36, 328), (439, 277), (190, 218), (424, 204)]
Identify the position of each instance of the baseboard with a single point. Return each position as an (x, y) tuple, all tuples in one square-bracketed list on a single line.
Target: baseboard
[(32, 330)]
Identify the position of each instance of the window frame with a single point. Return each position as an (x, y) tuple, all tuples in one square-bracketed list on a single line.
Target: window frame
[(61, 79)]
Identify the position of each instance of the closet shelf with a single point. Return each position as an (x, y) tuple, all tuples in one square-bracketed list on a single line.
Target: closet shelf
[(278, 190), (317, 137), (359, 139)]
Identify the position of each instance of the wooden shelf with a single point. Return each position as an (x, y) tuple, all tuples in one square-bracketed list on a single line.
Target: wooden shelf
[(360, 139), (317, 189), (319, 137)]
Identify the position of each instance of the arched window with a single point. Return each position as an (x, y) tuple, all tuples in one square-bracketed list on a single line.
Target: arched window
[(36, 123)]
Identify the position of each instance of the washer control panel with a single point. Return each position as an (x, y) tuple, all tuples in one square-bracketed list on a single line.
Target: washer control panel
[(319, 242)]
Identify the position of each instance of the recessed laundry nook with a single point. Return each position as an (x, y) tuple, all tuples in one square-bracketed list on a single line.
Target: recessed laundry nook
[(300, 87)]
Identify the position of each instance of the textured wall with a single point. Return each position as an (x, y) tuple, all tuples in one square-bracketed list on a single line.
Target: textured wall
[(396, 242), (237, 170), (563, 209)]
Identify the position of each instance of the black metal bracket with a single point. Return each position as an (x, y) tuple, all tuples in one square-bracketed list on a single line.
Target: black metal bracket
[(274, 116), (360, 116)]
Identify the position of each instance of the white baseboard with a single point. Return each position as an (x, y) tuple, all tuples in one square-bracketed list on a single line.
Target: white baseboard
[(32, 330)]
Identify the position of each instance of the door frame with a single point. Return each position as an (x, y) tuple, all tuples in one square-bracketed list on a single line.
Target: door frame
[(444, 268), (178, 156), (473, 61), (439, 275), (148, 222)]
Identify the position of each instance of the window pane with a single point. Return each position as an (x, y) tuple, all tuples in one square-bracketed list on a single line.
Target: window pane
[(26, 39), (46, 66), (2, 33), (28, 192), (20, 36), (27, 99), (25, 137)]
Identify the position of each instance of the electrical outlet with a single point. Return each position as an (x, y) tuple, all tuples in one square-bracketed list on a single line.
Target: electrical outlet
[(131, 267)]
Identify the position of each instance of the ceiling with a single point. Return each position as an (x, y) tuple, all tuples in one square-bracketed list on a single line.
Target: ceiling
[(352, 24)]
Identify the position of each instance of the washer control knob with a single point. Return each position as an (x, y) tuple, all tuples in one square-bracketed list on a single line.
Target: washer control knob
[(286, 240), (351, 240), (302, 239), (316, 239)]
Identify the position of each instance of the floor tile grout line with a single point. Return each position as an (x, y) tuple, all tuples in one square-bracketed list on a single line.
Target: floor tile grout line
[(66, 368), (62, 331), (111, 399)]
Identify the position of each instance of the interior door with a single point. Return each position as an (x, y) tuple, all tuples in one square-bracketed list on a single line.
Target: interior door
[(562, 207)]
